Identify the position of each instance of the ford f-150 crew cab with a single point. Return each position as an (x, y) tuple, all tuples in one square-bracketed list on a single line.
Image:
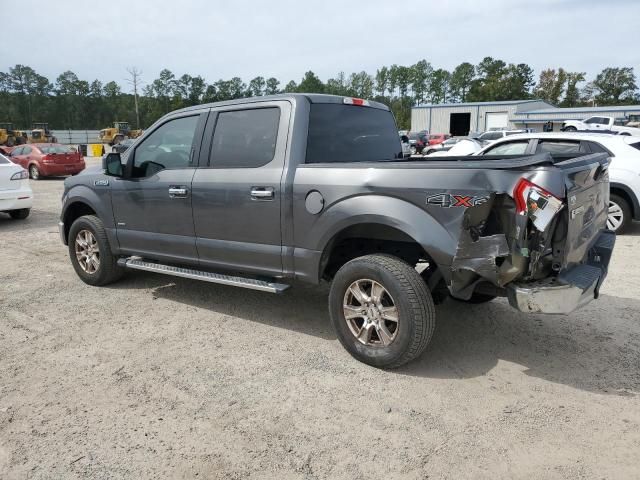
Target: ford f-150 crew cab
[(599, 124), (262, 192)]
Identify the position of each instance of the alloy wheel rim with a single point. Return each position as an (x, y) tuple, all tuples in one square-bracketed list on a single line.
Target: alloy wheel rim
[(34, 172), (371, 313), (87, 251), (615, 216)]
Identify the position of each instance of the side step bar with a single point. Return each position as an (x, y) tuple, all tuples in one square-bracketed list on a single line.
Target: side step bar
[(137, 263)]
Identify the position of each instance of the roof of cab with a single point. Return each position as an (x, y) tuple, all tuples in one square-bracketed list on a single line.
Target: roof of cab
[(311, 97)]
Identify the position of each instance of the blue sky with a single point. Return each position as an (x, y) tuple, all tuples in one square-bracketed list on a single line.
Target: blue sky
[(284, 38)]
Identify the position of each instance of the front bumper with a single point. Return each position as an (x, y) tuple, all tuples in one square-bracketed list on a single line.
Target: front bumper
[(571, 289)]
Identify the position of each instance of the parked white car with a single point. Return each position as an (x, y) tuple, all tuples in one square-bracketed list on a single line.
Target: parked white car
[(624, 171), (493, 135), (16, 197), (599, 124)]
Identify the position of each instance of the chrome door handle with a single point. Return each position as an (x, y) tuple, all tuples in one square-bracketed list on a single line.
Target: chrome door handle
[(262, 193), (177, 192)]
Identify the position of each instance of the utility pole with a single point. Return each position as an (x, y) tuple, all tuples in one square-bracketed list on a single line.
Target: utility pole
[(134, 80)]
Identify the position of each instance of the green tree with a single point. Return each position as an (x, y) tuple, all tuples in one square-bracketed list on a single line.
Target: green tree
[(272, 86), (460, 81), (421, 78), (291, 87), (338, 86), (439, 87), (361, 85), (311, 84), (382, 80), (551, 85), (257, 87), (572, 92), (614, 86)]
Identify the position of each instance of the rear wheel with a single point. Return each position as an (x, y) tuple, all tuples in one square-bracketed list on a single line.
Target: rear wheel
[(90, 252), (570, 129), (381, 310), (34, 173), (20, 214), (619, 215)]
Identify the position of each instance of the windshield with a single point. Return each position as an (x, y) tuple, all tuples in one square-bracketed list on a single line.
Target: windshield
[(348, 133)]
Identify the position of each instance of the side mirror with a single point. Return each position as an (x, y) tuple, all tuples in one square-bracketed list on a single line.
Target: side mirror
[(112, 165)]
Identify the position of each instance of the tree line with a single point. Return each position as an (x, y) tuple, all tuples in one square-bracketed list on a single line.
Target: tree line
[(72, 103)]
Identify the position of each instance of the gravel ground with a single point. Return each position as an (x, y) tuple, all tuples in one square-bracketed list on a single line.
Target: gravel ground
[(156, 377)]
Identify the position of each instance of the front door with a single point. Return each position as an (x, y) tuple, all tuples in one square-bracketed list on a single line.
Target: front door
[(237, 191), (152, 204)]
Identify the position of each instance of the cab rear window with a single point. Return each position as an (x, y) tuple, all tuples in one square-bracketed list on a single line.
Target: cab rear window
[(349, 133)]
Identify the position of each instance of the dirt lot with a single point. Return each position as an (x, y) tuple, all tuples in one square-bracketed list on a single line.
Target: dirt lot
[(157, 377)]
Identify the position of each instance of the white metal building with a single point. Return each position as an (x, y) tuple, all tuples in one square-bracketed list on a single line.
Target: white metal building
[(537, 118), (462, 118)]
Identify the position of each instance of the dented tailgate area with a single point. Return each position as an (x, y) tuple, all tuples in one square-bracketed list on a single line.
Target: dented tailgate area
[(548, 252)]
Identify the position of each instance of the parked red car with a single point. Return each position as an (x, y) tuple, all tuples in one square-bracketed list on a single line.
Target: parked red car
[(48, 159), (437, 138)]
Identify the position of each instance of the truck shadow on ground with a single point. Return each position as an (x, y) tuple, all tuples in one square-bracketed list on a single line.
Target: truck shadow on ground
[(594, 349)]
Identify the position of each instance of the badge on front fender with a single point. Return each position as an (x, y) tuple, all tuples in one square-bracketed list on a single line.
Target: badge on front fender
[(101, 183)]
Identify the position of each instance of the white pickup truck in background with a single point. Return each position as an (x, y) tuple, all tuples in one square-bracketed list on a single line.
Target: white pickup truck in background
[(599, 124)]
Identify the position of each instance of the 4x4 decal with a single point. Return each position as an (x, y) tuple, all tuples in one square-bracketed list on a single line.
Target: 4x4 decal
[(448, 200)]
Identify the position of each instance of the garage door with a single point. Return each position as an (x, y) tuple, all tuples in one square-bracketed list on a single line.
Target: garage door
[(496, 120)]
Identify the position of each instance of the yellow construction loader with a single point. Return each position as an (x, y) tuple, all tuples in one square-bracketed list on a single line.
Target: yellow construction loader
[(40, 133), (10, 137), (120, 130)]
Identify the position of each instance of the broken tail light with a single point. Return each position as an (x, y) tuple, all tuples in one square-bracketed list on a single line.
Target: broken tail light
[(536, 203)]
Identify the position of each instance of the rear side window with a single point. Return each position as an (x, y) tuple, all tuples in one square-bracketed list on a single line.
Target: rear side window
[(509, 148), (245, 138), (559, 147), (348, 133), (26, 150)]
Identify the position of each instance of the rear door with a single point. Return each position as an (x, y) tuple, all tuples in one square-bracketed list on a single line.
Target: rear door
[(237, 194)]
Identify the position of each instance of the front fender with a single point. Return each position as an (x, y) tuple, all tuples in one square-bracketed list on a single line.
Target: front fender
[(98, 200)]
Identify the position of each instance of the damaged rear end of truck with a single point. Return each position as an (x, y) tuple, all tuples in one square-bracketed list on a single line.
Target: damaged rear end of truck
[(538, 234)]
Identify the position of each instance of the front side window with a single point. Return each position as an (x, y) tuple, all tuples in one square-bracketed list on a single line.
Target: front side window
[(559, 147), (245, 138), (509, 148), (16, 151), (169, 146), (350, 133)]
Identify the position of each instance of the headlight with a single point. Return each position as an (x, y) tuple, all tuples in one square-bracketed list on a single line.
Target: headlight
[(21, 175)]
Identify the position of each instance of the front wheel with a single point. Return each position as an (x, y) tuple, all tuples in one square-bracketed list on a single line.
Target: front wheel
[(90, 252), (619, 215), (381, 310), (570, 129)]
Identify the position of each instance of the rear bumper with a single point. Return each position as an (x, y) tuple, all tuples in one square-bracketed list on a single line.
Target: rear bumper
[(52, 169), (571, 289), (16, 199)]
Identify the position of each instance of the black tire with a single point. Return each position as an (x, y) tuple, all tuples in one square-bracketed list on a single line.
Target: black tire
[(34, 173), (108, 270), (626, 134), (429, 152), (477, 298), (626, 213), (20, 214), (411, 297), (570, 129)]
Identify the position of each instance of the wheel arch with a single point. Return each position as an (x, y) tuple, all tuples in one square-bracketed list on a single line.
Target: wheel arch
[(403, 230), (628, 194), (72, 212)]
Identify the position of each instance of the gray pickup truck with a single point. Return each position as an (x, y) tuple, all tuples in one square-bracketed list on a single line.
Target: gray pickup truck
[(262, 192)]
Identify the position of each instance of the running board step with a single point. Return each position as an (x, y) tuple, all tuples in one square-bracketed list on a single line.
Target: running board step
[(137, 263)]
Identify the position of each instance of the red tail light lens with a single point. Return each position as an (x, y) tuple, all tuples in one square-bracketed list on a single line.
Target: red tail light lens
[(47, 159), (536, 203)]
